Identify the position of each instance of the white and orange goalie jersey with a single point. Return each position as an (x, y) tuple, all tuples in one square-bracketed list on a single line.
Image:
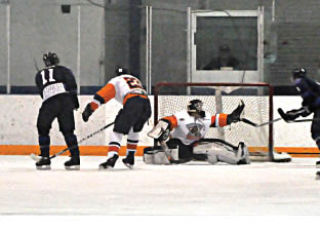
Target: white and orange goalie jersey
[(189, 129), (121, 88)]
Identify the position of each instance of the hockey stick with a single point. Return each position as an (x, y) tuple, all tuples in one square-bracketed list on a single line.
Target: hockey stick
[(37, 158), (245, 120), (35, 64), (272, 121)]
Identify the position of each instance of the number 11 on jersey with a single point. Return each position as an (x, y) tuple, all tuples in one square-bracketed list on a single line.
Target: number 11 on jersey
[(47, 76)]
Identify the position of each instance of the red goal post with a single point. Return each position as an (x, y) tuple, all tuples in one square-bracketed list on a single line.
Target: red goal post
[(170, 97)]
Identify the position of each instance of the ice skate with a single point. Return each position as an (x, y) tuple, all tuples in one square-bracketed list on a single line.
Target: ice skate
[(72, 164), (318, 164), (318, 175), (43, 164), (109, 163), (129, 160)]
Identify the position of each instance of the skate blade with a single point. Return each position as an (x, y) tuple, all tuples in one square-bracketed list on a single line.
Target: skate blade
[(128, 165), (318, 175), (74, 167), (44, 167), (105, 168)]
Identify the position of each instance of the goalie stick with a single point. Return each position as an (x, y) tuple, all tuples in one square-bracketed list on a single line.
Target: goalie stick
[(168, 154), (37, 158)]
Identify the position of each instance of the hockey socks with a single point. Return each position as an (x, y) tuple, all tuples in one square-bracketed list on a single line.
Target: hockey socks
[(44, 143), (74, 162), (72, 143)]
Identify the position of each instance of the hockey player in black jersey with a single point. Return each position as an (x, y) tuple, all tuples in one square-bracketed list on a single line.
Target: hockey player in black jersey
[(309, 90), (58, 89)]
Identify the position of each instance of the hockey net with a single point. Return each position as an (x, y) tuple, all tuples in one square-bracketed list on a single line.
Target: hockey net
[(170, 98)]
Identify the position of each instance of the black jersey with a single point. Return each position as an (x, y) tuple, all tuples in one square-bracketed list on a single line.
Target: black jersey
[(309, 90), (55, 80)]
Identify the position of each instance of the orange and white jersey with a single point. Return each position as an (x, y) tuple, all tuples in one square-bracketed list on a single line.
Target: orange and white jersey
[(120, 88), (189, 129)]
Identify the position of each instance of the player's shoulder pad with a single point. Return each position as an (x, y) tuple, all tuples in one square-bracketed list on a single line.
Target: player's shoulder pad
[(63, 68), (115, 79)]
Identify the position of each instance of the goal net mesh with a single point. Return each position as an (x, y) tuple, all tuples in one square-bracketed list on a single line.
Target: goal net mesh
[(224, 98)]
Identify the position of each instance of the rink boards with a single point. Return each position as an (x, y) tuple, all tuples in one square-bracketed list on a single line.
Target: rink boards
[(18, 135)]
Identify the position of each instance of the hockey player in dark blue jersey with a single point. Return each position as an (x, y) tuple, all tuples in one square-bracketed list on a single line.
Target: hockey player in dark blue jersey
[(309, 90), (58, 89)]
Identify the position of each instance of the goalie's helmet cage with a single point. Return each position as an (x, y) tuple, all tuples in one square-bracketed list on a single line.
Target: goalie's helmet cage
[(195, 106)]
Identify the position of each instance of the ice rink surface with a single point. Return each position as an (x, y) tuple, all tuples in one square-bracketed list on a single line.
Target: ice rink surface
[(196, 188)]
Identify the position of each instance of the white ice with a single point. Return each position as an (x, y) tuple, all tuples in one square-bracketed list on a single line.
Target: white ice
[(189, 189)]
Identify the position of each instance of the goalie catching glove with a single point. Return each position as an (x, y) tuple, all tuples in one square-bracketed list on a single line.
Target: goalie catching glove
[(235, 115), (293, 114)]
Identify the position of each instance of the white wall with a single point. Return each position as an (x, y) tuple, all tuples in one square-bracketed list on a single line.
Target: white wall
[(19, 115)]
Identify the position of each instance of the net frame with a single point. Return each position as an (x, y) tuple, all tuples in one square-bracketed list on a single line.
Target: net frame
[(270, 146)]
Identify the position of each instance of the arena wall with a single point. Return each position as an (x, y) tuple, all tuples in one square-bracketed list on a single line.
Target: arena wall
[(18, 133)]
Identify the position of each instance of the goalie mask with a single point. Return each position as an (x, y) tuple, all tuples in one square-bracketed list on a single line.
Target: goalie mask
[(195, 108), (50, 59)]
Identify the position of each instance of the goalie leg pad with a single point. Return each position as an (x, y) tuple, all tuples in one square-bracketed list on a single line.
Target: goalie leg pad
[(217, 153), (157, 156), (211, 151), (223, 156)]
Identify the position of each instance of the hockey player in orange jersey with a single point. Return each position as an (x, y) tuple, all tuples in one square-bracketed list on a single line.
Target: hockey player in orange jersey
[(128, 91), (184, 133)]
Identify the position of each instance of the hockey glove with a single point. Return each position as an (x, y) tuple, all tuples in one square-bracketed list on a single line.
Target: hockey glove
[(87, 113), (235, 115), (75, 101), (306, 111), (293, 114), (161, 131)]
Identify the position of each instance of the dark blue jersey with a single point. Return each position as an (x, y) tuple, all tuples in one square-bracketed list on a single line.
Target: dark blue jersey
[(55, 80), (309, 90)]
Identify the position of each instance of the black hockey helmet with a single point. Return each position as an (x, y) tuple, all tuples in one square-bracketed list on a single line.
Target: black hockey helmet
[(121, 70), (195, 108), (50, 59), (299, 72)]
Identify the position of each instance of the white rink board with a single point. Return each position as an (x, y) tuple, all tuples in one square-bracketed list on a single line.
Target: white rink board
[(19, 118), (196, 188), (19, 114)]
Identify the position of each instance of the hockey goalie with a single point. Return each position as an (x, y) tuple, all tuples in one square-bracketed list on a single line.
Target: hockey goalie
[(182, 138)]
